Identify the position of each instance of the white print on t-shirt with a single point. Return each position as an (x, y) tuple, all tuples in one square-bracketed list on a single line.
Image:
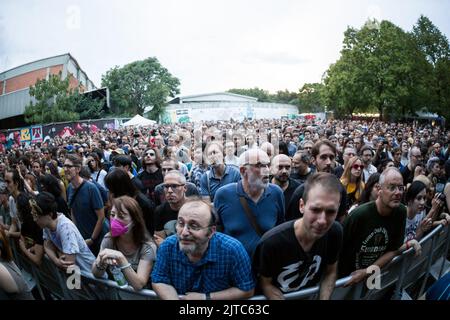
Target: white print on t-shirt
[(292, 273), (372, 248)]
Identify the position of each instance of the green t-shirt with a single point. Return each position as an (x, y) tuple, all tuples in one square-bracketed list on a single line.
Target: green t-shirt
[(368, 235)]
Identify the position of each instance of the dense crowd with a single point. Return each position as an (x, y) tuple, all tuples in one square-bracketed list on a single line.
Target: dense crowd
[(224, 210)]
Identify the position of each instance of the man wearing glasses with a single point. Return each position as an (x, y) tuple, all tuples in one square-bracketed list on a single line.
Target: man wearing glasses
[(252, 195), (199, 263), (374, 232), (175, 194), (85, 203)]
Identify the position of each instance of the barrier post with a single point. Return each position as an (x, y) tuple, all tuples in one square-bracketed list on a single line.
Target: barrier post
[(430, 258)]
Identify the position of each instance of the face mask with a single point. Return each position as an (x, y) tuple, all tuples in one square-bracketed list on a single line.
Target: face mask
[(118, 228)]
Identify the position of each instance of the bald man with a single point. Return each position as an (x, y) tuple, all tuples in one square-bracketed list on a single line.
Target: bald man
[(281, 172), (253, 196)]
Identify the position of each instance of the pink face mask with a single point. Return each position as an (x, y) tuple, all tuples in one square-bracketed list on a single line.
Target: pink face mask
[(118, 228)]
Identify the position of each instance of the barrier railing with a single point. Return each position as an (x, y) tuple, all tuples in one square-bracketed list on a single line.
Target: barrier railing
[(400, 274)]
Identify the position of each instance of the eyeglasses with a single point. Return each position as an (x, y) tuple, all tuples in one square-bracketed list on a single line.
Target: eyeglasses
[(189, 226), (172, 186), (350, 154), (258, 165), (356, 167), (393, 187)]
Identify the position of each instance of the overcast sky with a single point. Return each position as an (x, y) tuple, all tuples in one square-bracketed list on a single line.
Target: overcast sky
[(210, 45)]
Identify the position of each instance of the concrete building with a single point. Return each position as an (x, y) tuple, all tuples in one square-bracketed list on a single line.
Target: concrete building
[(224, 106), (15, 84)]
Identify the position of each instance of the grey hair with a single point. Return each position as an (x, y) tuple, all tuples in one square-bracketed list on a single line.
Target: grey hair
[(386, 172), (178, 174)]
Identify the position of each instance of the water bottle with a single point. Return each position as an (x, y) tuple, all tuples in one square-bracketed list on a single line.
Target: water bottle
[(119, 277)]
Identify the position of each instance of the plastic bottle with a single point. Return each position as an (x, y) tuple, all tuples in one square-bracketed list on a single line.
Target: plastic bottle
[(119, 277)]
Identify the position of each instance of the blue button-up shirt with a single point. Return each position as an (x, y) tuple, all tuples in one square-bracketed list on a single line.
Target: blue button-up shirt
[(225, 264), (230, 175)]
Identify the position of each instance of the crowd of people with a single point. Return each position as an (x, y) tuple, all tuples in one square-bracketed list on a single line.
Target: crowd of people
[(224, 210)]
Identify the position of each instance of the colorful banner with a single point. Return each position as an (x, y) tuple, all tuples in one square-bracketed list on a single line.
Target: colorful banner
[(25, 135), (36, 134)]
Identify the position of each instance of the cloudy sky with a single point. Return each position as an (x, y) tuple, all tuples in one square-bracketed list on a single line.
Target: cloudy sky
[(210, 45)]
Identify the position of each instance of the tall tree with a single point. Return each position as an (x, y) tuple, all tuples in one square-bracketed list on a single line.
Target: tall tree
[(139, 85), (380, 67), (436, 48), (54, 101)]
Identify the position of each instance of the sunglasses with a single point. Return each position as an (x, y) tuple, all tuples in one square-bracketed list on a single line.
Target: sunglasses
[(357, 166), (151, 154)]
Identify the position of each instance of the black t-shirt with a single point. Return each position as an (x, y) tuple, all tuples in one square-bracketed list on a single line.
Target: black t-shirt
[(150, 181), (368, 235), (293, 210), (164, 214), (138, 184), (301, 178), (280, 256), (148, 210), (293, 184)]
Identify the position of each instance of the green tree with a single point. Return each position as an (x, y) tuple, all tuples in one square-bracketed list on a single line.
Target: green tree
[(138, 85), (54, 101), (262, 95), (285, 96), (311, 97), (89, 108), (435, 46), (380, 67)]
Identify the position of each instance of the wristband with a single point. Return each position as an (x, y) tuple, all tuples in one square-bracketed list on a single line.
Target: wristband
[(407, 244), (208, 296), (125, 266)]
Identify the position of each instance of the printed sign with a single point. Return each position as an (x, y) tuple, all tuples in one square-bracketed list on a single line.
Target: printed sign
[(36, 134), (25, 135)]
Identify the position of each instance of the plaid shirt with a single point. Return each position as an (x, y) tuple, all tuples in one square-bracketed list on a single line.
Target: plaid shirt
[(224, 265), (196, 174)]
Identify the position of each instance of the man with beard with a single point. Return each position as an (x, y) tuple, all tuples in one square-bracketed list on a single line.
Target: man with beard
[(151, 175), (323, 154), (301, 253), (369, 168), (300, 167), (374, 232), (200, 263), (281, 171), (252, 206), (219, 174)]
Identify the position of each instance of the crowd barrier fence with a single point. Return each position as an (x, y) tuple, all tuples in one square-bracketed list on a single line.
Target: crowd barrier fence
[(402, 273)]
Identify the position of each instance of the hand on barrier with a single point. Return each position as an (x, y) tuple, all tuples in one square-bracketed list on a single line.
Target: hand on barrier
[(417, 247), (62, 263), (357, 277)]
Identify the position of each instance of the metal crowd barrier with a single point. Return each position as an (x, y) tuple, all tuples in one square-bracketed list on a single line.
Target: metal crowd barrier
[(402, 273)]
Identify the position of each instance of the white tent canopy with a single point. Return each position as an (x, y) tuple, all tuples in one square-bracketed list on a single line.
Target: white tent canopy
[(139, 121)]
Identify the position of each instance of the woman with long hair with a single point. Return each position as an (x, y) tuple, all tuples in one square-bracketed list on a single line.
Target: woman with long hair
[(352, 180), (119, 184), (95, 166), (416, 222), (128, 246)]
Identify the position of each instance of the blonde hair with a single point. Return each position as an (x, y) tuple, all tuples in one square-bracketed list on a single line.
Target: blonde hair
[(346, 177)]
